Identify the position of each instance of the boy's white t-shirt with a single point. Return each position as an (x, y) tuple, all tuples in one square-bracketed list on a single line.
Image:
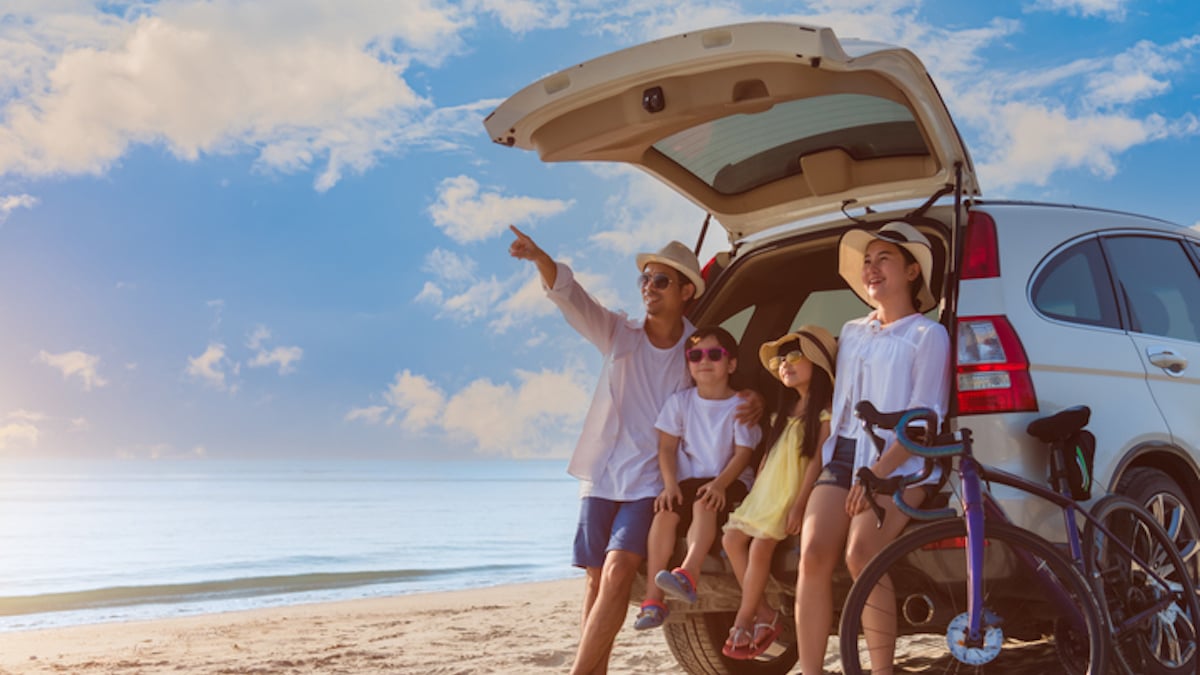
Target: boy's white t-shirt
[(708, 433)]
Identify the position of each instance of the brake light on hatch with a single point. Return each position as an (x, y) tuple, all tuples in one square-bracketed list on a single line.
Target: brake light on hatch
[(981, 257), (993, 371)]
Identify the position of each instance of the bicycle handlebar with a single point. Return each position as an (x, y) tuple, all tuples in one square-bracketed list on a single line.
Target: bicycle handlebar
[(923, 420)]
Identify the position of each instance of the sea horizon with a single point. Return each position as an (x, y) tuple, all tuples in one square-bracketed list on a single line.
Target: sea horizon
[(89, 541)]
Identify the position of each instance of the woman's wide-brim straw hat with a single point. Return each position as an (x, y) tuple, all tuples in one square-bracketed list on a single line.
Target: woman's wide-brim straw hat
[(678, 256), (816, 344), (853, 248)]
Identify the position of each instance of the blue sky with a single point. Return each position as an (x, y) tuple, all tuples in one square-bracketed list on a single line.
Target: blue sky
[(276, 229)]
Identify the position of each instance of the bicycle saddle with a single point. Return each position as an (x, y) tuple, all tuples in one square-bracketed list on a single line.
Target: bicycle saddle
[(1061, 425)]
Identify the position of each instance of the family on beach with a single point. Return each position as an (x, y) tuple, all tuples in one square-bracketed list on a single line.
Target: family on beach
[(667, 444)]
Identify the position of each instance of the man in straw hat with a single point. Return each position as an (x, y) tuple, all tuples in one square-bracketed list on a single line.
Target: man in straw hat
[(616, 457)]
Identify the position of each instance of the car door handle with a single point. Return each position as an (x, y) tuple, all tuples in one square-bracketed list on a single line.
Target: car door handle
[(1166, 359)]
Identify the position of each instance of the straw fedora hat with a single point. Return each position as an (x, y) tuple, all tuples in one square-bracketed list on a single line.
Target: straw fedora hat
[(816, 343), (678, 256), (854, 246)]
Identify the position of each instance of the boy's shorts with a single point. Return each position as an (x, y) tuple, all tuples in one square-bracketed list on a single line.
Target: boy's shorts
[(734, 494), (606, 525)]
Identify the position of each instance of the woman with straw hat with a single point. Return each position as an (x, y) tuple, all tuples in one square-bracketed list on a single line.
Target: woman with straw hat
[(896, 358)]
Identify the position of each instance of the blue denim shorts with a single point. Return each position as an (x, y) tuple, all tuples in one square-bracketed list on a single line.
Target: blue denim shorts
[(840, 469), (605, 525)]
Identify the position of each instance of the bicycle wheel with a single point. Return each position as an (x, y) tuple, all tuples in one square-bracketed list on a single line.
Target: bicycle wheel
[(1153, 624), (1033, 597)]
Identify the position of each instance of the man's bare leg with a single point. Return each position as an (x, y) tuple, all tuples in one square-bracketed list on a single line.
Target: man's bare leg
[(607, 612)]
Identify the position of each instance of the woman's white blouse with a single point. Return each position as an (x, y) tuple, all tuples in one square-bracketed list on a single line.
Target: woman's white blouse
[(905, 364)]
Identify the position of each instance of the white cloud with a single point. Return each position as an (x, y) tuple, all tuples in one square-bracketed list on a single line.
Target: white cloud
[(1138, 73), (284, 357), (521, 420), (537, 416), (212, 367), (1110, 9), (18, 434), (466, 214), (10, 203), (75, 364), (522, 16), (1035, 141), (416, 402), (301, 82), (371, 414), (27, 415), (449, 266), (258, 336), (645, 215)]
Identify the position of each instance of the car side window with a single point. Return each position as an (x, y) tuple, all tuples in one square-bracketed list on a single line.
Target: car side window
[(1160, 285), (1075, 287)]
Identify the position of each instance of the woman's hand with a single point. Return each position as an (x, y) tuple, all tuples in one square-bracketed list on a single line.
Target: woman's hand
[(856, 501)]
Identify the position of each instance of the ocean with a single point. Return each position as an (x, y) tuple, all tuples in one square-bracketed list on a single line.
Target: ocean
[(87, 542)]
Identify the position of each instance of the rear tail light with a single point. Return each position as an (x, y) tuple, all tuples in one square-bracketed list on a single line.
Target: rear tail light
[(981, 257), (993, 371)]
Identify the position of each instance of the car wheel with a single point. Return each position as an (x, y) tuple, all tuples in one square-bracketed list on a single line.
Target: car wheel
[(696, 643), (1165, 500)]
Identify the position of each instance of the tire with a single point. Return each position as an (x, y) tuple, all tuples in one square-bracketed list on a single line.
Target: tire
[(929, 568), (697, 640), (1165, 500), (1165, 642)]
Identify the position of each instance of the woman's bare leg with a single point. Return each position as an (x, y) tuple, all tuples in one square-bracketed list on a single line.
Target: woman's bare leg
[(822, 544)]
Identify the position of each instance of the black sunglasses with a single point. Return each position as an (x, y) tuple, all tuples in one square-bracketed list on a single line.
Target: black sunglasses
[(715, 354), (659, 280)]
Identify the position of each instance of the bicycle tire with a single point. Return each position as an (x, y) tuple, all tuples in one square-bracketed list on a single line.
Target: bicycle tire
[(1162, 643), (928, 565)]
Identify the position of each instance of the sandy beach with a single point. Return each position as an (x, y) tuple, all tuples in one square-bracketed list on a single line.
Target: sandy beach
[(525, 628)]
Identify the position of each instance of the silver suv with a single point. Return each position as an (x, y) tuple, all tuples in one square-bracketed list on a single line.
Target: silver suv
[(788, 137)]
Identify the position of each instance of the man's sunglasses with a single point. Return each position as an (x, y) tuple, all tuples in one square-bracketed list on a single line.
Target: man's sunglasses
[(715, 354), (658, 280)]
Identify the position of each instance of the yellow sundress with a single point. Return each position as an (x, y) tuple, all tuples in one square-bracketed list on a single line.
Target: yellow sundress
[(763, 513)]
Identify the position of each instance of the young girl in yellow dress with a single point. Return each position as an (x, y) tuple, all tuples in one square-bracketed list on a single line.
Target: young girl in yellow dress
[(804, 362)]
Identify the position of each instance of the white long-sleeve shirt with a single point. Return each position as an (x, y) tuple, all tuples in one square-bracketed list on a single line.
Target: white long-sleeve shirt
[(617, 452), (905, 364)]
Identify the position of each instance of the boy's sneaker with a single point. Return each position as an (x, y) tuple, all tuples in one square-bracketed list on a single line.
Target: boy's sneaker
[(677, 583), (652, 614)]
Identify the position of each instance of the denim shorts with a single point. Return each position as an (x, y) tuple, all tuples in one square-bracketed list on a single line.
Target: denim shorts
[(606, 525), (840, 469)]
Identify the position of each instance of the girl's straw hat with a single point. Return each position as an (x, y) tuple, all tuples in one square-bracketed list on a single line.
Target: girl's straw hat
[(854, 246), (816, 343)]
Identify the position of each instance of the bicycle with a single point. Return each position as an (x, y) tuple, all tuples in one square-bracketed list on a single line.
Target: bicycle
[(994, 591)]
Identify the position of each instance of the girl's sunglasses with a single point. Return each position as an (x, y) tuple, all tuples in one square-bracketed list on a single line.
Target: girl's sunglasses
[(715, 354), (658, 280), (795, 356)]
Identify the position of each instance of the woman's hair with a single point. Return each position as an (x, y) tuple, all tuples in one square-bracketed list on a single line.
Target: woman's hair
[(820, 395), (723, 338), (914, 286)]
